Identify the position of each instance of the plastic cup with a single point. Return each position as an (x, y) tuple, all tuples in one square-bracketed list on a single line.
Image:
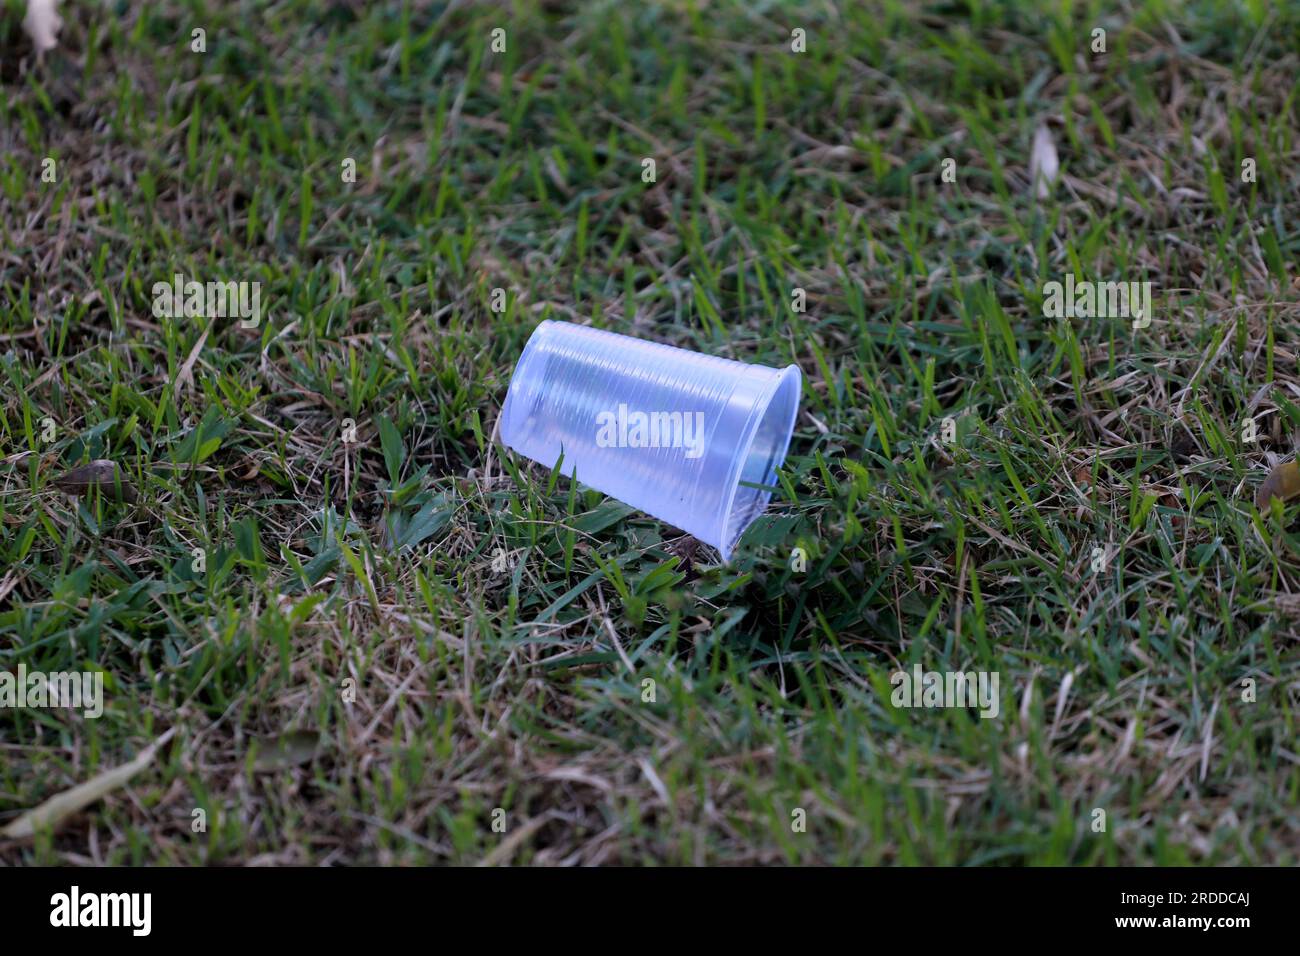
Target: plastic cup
[(688, 438)]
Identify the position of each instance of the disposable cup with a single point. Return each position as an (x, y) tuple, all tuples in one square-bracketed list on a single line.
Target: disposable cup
[(692, 439)]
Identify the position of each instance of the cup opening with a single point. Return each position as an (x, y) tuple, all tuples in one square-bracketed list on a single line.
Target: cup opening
[(760, 456)]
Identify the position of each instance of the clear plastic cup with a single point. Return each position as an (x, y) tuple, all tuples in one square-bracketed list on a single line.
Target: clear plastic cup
[(692, 439)]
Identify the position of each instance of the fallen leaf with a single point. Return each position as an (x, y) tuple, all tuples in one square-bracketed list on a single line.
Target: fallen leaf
[(103, 474), (58, 808), (1043, 163), (185, 377), (506, 848), (43, 23), (685, 549), (1283, 482), (1182, 446), (287, 750)]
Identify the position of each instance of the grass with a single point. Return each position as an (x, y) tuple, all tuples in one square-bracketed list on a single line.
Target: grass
[(389, 639)]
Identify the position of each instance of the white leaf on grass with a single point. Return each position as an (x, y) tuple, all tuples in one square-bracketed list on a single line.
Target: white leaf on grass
[(1062, 696), (43, 23), (1043, 163), (59, 807)]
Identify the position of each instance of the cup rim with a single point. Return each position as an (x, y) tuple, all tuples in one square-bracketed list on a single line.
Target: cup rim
[(789, 377)]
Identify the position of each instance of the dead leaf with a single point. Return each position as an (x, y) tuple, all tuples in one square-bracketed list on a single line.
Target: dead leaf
[(1182, 446), (185, 377), (1043, 163), (1282, 482), (506, 848), (42, 24), (288, 750), (685, 550), (103, 474), (58, 808)]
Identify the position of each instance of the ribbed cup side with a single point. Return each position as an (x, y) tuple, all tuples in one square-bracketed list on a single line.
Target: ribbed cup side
[(569, 375)]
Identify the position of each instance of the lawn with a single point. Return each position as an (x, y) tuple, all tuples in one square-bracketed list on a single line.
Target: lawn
[(359, 630)]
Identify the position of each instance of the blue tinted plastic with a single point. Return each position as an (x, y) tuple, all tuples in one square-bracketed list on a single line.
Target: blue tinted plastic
[(682, 436)]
